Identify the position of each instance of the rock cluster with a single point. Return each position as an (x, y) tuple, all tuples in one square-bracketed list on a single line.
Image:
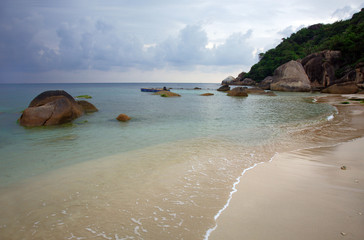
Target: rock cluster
[(315, 72), (51, 108)]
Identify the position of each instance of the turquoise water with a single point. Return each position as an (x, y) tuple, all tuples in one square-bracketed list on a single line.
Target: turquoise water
[(164, 174), (31, 151)]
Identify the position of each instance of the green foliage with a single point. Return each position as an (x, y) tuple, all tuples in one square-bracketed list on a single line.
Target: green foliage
[(164, 95), (346, 36), (84, 96), (345, 102)]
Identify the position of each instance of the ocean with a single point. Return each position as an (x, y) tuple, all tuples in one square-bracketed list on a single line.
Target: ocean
[(165, 174)]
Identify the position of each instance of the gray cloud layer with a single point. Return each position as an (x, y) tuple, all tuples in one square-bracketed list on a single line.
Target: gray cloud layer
[(41, 36)]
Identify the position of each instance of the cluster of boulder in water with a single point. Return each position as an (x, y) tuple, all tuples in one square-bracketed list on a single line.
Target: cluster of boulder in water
[(56, 107), (316, 72)]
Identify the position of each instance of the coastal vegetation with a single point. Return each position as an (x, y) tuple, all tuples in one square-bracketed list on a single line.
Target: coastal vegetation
[(344, 36), (84, 96)]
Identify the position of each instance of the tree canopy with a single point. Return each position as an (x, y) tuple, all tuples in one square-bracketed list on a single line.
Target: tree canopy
[(345, 36)]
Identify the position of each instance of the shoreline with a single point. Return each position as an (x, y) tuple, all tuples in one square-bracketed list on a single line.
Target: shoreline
[(273, 189)]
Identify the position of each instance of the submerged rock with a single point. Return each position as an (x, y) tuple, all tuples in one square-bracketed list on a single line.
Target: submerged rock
[(123, 118), (87, 106), (51, 108), (207, 94), (167, 94), (290, 77)]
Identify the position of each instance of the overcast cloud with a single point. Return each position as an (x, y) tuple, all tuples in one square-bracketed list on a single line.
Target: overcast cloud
[(125, 41)]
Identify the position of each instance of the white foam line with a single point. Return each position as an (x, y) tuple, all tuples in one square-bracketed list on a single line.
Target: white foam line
[(234, 190)]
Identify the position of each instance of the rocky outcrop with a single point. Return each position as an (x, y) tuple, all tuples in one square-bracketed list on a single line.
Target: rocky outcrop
[(342, 88), (207, 94), (320, 67), (227, 81), (290, 77), (238, 92), (248, 82), (123, 118), (265, 84), (224, 88), (87, 107), (51, 108)]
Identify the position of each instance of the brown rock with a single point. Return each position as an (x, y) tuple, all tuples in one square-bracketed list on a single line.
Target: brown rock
[(265, 84), (207, 94), (240, 77), (248, 82), (49, 96), (224, 88), (51, 108), (238, 92), (87, 106), (123, 118), (342, 88), (290, 77)]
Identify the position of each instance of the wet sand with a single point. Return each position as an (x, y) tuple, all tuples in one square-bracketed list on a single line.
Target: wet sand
[(302, 194)]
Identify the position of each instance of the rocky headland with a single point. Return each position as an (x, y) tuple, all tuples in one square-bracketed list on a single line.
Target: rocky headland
[(316, 72), (323, 57)]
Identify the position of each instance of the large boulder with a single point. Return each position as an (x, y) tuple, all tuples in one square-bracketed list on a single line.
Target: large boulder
[(224, 88), (227, 81), (265, 84), (290, 77), (320, 67), (238, 92), (51, 108), (240, 77), (342, 88)]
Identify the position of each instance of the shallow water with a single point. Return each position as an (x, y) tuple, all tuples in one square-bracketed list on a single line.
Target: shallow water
[(163, 175)]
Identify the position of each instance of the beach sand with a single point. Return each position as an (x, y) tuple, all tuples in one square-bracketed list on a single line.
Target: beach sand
[(302, 194)]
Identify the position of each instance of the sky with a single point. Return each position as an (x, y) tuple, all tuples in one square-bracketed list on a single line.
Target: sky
[(148, 40)]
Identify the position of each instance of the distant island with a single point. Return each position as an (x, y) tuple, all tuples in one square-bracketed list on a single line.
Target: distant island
[(330, 54)]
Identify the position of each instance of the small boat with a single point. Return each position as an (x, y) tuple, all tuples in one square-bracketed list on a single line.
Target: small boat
[(153, 89)]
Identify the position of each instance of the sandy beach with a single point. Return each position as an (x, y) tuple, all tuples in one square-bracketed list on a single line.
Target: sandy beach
[(315, 193)]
